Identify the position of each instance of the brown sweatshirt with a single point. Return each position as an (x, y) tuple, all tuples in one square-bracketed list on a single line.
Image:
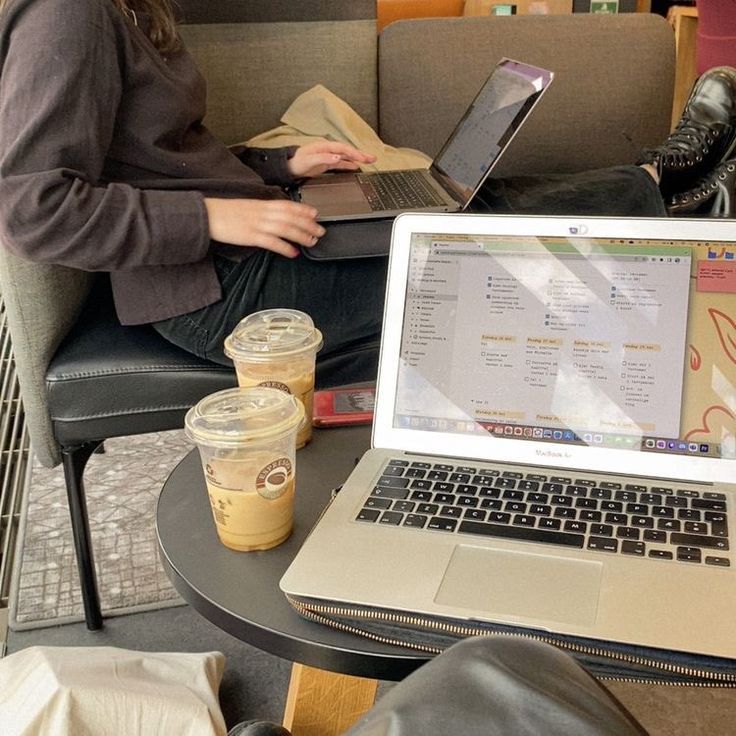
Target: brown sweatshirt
[(104, 161)]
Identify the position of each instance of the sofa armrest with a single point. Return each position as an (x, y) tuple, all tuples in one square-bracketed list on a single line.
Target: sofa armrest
[(612, 93)]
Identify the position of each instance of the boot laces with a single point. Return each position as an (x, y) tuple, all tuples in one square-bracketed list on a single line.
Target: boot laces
[(705, 187), (688, 144)]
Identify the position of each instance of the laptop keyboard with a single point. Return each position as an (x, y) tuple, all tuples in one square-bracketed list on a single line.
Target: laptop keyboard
[(396, 190), (655, 522)]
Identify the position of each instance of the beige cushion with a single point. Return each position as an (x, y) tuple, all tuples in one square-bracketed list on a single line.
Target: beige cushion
[(105, 691)]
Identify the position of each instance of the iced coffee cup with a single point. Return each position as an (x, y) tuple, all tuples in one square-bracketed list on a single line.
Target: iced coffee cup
[(278, 348), (247, 442)]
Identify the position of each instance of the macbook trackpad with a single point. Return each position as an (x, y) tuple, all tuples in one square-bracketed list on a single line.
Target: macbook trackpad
[(521, 584)]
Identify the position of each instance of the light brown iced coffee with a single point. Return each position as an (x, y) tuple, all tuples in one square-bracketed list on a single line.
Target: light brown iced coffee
[(277, 348), (247, 441)]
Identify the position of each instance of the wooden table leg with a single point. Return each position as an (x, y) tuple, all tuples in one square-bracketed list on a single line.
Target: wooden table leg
[(321, 703)]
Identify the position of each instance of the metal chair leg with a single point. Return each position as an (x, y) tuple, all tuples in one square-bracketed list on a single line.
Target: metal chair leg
[(75, 460)]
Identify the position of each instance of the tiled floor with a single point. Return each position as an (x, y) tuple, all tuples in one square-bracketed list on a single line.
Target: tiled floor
[(122, 486)]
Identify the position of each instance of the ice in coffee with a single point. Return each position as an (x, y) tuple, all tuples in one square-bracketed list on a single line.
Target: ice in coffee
[(278, 348), (247, 441)]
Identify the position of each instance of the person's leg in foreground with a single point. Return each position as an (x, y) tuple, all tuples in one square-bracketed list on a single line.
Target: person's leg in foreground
[(491, 686)]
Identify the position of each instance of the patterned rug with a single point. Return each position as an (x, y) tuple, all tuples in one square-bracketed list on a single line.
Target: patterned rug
[(122, 486)]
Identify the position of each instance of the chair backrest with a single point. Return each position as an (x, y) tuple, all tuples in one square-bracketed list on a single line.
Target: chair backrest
[(612, 93), (42, 303), (257, 56)]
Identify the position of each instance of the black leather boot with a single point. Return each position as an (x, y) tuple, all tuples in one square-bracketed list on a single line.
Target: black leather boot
[(712, 196), (704, 137)]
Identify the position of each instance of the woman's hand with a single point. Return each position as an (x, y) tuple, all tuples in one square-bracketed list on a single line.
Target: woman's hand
[(273, 224), (314, 159)]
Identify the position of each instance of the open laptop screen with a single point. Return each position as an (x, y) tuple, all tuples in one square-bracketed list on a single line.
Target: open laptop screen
[(602, 343), (488, 126)]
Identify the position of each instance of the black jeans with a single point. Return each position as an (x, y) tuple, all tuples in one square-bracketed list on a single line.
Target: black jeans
[(345, 297)]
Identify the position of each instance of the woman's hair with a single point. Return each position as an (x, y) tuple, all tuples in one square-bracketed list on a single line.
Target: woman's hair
[(162, 31)]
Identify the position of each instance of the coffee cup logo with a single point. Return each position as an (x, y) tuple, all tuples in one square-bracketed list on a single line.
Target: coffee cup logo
[(274, 479), (276, 384)]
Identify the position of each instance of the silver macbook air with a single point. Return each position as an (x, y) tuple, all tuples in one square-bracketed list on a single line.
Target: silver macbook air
[(466, 159), (554, 443)]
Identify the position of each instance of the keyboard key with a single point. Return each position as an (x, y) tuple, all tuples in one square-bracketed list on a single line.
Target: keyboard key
[(427, 508), (588, 515), (447, 498), (637, 508), (552, 488), (437, 475), (625, 496), (401, 463), (522, 533), (589, 483), (629, 547), (390, 492), (669, 525), (663, 512), (688, 493), (601, 530), (651, 535), (586, 503), (443, 487), (617, 519), (643, 522), (499, 518), (615, 506), (660, 554), (512, 474), (491, 503), (688, 514), (524, 520), (378, 503), (698, 540), (579, 527), (417, 521), (421, 485), (515, 507), (387, 482), (706, 503), (627, 532), (403, 506), (394, 470), (466, 501), (368, 515), (653, 499), (392, 518), (689, 554), (540, 509), (527, 485), (576, 491), (512, 496), (451, 511), (611, 486), (561, 479), (459, 478), (466, 489), (696, 527), (465, 469), (601, 493), (603, 544), (442, 524), (504, 483), (549, 524), (720, 561), (421, 496), (714, 496), (561, 500), (415, 473), (562, 512), (475, 514), (676, 502), (537, 497)]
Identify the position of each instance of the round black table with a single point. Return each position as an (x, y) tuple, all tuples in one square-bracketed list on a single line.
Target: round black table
[(239, 591)]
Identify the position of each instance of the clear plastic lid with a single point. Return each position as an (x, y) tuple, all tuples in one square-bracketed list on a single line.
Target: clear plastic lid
[(237, 416), (273, 333)]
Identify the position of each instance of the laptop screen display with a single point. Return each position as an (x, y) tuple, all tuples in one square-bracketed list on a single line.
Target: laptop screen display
[(488, 125), (611, 343)]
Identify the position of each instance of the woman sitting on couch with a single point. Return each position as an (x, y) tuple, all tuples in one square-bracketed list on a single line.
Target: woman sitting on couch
[(105, 165)]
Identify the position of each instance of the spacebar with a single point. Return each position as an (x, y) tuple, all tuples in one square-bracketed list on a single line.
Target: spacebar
[(521, 532)]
